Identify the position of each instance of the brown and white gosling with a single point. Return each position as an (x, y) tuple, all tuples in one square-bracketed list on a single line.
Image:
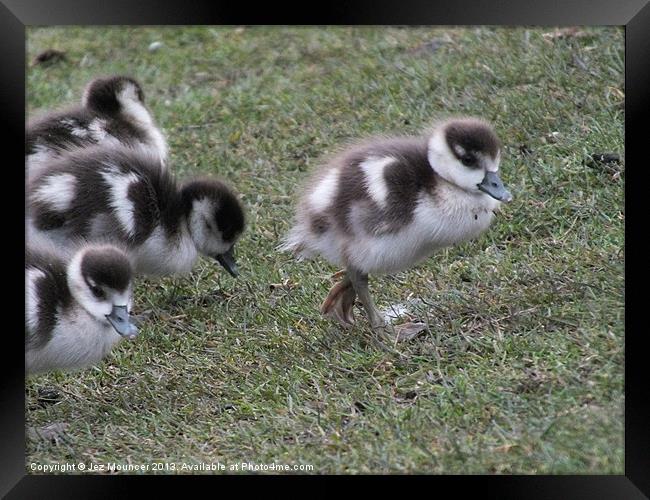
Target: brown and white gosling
[(386, 204), (112, 112), (121, 195), (76, 308)]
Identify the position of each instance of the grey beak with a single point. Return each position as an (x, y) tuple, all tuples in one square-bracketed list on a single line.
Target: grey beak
[(493, 186), (227, 260), (119, 319)]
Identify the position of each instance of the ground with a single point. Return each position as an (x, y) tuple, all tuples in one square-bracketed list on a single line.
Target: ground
[(521, 370)]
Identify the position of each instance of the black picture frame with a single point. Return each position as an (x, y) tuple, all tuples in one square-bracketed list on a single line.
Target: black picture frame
[(634, 15)]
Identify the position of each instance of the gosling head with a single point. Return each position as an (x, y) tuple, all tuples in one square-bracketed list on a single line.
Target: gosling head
[(116, 95), (215, 220), (100, 280), (467, 153)]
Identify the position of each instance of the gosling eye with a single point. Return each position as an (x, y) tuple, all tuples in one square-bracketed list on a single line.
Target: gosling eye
[(468, 160), (98, 292)]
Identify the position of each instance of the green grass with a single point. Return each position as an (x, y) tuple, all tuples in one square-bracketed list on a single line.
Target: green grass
[(522, 369)]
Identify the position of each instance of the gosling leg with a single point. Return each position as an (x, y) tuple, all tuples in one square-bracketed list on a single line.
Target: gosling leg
[(402, 332)]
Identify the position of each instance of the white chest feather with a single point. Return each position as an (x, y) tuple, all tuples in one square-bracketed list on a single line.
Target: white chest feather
[(448, 219), (77, 341), (160, 254)]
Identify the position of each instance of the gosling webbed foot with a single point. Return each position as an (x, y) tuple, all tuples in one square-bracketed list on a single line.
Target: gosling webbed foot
[(339, 303)]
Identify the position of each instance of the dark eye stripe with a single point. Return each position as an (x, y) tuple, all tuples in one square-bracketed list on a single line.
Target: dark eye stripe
[(96, 291), (469, 161)]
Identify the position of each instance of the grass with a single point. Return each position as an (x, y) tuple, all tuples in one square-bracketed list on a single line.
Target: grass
[(522, 369)]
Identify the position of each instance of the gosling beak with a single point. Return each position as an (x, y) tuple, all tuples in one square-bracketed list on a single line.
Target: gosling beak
[(227, 260), (119, 319), (493, 186)]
